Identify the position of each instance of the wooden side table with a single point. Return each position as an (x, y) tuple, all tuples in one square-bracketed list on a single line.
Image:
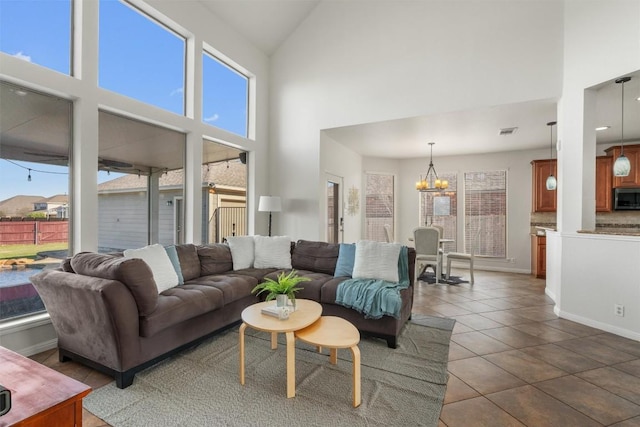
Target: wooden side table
[(334, 333), (306, 313), (40, 396)]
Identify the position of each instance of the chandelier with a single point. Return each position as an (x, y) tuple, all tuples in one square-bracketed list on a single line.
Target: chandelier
[(430, 181)]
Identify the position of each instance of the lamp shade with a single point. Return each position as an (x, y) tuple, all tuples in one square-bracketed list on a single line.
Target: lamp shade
[(269, 204), (552, 183), (622, 166)]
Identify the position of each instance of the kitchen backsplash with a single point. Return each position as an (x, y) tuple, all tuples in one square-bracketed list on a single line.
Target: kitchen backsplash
[(615, 222)]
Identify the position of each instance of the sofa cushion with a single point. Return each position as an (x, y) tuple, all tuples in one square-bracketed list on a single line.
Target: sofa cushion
[(189, 261), (134, 273), (178, 304), (156, 257), (242, 251), (311, 289), (330, 290), (175, 262), (272, 252), (232, 286), (65, 265), (315, 256), (376, 260), (257, 273), (214, 259), (346, 260)]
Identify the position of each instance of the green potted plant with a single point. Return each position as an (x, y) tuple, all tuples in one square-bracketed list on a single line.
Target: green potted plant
[(284, 286)]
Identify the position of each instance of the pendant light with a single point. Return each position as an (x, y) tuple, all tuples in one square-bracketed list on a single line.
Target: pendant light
[(622, 166), (430, 182), (552, 182)]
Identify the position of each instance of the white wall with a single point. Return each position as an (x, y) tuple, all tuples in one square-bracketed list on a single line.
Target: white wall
[(598, 273), (590, 273), (358, 62), (338, 160)]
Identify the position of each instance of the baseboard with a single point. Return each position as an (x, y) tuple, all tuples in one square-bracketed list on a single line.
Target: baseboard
[(476, 267), (550, 294), (599, 325), (38, 348)]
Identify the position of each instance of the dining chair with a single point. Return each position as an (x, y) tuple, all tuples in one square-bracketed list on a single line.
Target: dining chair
[(464, 257), (427, 244), (439, 227), (388, 235)]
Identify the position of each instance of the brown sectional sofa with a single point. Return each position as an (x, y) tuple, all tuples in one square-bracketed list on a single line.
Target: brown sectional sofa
[(108, 314)]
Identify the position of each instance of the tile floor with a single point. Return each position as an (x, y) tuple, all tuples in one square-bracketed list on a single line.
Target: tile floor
[(512, 361)]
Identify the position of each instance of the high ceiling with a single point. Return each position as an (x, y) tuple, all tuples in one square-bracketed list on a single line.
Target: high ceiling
[(265, 23), (268, 23)]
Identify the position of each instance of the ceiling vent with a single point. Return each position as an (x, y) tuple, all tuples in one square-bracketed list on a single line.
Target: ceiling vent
[(508, 131)]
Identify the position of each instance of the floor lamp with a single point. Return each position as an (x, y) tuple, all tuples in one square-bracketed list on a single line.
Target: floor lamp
[(269, 204)]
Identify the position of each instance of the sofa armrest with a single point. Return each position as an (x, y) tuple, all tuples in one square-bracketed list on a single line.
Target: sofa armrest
[(93, 317)]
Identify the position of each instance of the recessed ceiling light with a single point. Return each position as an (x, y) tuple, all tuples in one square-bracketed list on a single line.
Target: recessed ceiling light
[(638, 98), (603, 128)]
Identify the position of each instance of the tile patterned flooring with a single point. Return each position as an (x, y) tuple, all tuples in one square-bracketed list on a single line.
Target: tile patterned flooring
[(512, 361)]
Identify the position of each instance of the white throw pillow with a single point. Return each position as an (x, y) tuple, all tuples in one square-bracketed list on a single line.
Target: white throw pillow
[(241, 251), (376, 260), (156, 257), (272, 252)]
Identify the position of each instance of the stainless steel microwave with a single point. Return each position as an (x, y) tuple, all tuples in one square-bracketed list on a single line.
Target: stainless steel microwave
[(626, 199)]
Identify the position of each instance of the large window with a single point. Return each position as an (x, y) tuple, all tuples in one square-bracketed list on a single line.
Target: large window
[(37, 31), (379, 206), (486, 213), (224, 199), (225, 95), (141, 58), (441, 208), (35, 141), (140, 190)]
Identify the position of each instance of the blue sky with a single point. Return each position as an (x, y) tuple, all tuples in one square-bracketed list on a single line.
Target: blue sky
[(137, 58)]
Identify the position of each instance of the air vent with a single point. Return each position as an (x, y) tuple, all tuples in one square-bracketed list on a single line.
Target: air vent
[(508, 131)]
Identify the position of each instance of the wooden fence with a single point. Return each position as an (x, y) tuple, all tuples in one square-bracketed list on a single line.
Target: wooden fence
[(33, 232), (229, 221)]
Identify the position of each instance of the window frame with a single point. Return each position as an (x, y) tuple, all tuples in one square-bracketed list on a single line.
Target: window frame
[(172, 28), (470, 232)]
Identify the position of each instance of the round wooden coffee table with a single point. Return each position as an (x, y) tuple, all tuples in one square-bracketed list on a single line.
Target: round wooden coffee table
[(307, 312), (334, 333)]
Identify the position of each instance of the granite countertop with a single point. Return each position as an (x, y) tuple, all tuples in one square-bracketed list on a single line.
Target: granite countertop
[(611, 233)]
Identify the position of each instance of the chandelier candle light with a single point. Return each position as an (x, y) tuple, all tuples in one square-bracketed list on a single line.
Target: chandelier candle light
[(430, 181), (552, 183), (622, 166)]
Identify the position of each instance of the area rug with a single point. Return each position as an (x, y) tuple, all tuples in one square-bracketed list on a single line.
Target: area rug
[(430, 278), (200, 387)]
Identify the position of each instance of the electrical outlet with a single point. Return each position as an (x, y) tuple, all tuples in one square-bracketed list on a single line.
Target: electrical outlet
[(618, 310)]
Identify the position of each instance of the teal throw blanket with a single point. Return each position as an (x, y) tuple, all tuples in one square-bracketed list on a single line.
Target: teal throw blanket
[(374, 297)]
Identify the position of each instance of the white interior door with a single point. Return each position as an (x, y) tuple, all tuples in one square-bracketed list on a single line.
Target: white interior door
[(333, 203)]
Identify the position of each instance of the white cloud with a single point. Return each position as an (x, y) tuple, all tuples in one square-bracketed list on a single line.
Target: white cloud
[(212, 118), (177, 91), (22, 56)]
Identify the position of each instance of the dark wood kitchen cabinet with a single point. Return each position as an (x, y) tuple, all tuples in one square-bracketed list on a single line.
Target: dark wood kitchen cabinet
[(543, 200), (604, 183), (539, 256)]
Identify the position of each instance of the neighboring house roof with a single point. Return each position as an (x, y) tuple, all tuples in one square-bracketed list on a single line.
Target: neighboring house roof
[(229, 174), (17, 205), (58, 198)]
